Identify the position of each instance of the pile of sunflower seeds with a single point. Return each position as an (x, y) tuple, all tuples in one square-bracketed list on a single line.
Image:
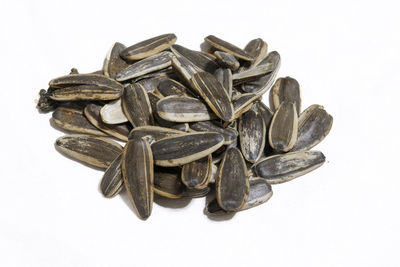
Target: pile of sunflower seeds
[(192, 123)]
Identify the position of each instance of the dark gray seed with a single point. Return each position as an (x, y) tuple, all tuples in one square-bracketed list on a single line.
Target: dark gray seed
[(73, 120), (155, 132), (285, 89), (285, 167), (227, 47), (154, 97), (267, 116), (91, 150), (214, 94), (224, 76), (112, 183), (204, 61), (149, 47), (243, 103), (136, 105), (230, 135), (184, 67), (168, 184), (161, 74), (151, 84), (120, 131), (85, 92), (314, 125), (169, 87), (227, 60), (264, 83), (183, 109), (145, 66), (97, 80), (252, 134), (196, 174), (182, 149), (137, 172), (283, 130), (181, 127), (113, 63), (252, 73), (258, 49), (112, 113), (196, 193), (232, 184)]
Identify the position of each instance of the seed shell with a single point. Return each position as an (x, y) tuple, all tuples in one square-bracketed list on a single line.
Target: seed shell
[(285, 89), (168, 184), (168, 87), (258, 49), (112, 113), (285, 167), (184, 67), (85, 92), (230, 135), (113, 63), (155, 132), (283, 130), (227, 60), (196, 174), (96, 80), (252, 73), (112, 183), (138, 175), (224, 76), (136, 105), (202, 60), (227, 47), (232, 184), (154, 97), (243, 103)]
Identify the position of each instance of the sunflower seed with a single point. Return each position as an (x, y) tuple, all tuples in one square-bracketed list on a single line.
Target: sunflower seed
[(136, 105), (252, 134), (314, 125), (184, 67), (120, 131), (285, 89), (267, 116), (227, 47), (73, 120), (214, 94), (243, 103), (258, 49), (170, 87), (183, 109), (85, 92), (224, 76), (285, 167), (97, 80), (145, 66), (137, 172), (282, 133), (232, 184), (112, 113), (91, 150), (264, 83), (113, 63), (203, 61), (252, 73), (154, 98), (112, 183), (196, 193), (160, 74), (230, 135), (149, 47), (214, 170), (181, 127), (168, 184), (227, 60), (155, 132), (196, 174), (151, 84), (182, 149)]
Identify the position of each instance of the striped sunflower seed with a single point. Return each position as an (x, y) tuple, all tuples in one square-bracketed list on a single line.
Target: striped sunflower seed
[(196, 174), (258, 49), (232, 184), (112, 113), (168, 87), (113, 63), (252, 73), (138, 175), (168, 184), (91, 150), (230, 135), (97, 80), (112, 183), (227, 60), (155, 132), (285, 89), (182, 149), (243, 103), (136, 105), (224, 76), (222, 45), (149, 47), (85, 92), (184, 67), (203, 61), (285, 167), (154, 97), (196, 193)]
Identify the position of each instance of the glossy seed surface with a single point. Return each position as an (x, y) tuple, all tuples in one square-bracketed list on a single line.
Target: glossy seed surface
[(112, 183), (283, 130)]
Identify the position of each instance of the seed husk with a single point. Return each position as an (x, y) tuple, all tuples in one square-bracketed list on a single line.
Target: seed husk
[(232, 184), (214, 94), (183, 109), (196, 174), (91, 150), (267, 116), (136, 105), (85, 92), (154, 97), (182, 149), (224, 76), (251, 73), (168, 87), (155, 132), (196, 193), (113, 63), (120, 131), (181, 127), (151, 84), (230, 135), (205, 62), (184, 67), (227, 60), (264, 83), (73, 120), (138, 175), (160, 74), (285, 167), (282, 133), (151, 64), (97, 80), (149, 47), (112, 113), (243, 103), (112, 183), (258, 49), (227, 47), (168, 184), (252, 134), (285, 89), (314, 125)]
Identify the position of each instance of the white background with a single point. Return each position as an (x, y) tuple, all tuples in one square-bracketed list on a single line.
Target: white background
[(346, 56)]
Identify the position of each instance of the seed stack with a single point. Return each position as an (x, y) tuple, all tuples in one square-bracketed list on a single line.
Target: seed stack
[(193, 123)]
